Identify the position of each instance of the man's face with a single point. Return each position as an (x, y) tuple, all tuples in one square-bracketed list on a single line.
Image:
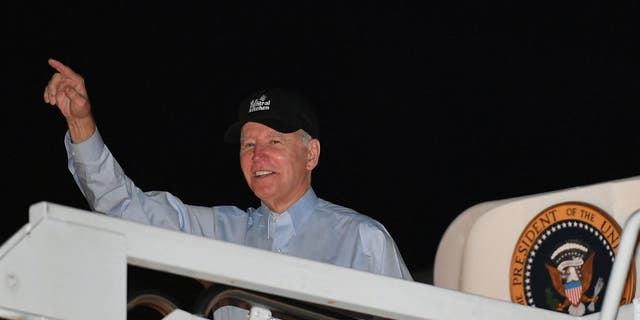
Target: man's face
[(275, 165)]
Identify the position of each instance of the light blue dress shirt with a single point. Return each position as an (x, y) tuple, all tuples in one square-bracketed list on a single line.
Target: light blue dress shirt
[(311, 228)]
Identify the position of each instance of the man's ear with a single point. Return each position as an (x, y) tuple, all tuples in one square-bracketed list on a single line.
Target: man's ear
[(313, 153)]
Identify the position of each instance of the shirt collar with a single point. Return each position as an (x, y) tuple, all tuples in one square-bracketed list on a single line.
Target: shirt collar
[(300, 211)]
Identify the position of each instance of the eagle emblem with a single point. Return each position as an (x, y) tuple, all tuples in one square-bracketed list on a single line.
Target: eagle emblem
[(564, 256), (571, 274)]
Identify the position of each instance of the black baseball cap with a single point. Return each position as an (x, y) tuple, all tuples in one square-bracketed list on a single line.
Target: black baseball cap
[(283, 110)]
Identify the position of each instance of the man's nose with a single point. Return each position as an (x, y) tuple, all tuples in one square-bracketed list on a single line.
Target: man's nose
[(259, 151)]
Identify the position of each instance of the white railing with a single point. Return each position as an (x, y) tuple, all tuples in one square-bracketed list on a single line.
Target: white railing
[(67, 263), (621, 266)]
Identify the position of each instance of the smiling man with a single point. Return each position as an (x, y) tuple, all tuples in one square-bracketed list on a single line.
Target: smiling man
[(278, 132)]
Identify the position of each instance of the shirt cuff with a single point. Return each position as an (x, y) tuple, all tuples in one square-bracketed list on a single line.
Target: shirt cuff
[(88, 150)]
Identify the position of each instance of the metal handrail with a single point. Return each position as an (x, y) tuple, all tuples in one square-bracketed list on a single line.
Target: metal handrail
[(621, 265)]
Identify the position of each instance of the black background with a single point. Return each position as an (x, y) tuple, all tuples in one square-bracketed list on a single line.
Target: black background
[(426, 110)]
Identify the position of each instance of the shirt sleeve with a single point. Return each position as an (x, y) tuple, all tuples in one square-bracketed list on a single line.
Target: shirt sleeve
[(109, 190), (381, 251)]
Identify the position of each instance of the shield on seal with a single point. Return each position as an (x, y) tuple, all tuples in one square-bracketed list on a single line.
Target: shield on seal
[(573, 291)]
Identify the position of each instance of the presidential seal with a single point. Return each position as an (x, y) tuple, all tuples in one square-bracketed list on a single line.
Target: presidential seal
[(563, 259)]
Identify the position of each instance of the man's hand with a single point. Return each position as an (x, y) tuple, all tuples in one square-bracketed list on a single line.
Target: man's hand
[(67, 91)]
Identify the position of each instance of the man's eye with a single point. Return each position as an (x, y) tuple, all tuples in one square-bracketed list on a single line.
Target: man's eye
[(247, 146), (275, 141)]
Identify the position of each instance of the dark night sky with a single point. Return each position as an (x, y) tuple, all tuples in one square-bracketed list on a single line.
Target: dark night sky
[(425, 109)]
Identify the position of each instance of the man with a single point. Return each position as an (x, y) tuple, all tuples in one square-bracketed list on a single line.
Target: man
[(279, 149)]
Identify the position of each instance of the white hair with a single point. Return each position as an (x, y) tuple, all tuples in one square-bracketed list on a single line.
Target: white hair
[(306, 137)]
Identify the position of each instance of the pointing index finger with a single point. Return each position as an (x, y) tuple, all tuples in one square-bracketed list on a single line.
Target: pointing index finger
[(63, 69)]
